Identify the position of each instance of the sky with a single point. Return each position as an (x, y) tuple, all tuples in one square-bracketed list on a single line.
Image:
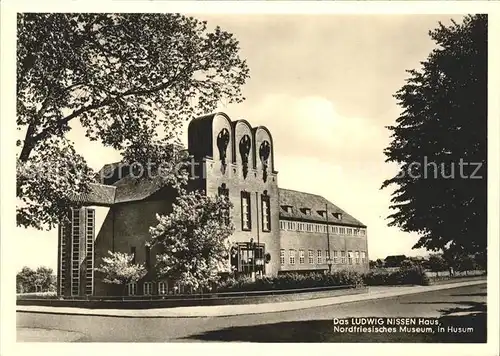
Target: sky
[(323, 85)]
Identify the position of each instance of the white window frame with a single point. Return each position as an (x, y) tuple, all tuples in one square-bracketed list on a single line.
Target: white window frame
[(291, 257), (335, 256), (350, 256), (245, 212), (147, 288), (266, 224), (310, 256), (132, 288), (363, 257), (162, 288), (356, 257), (302, 258), (343, 257), (319, 255), (282, 257)]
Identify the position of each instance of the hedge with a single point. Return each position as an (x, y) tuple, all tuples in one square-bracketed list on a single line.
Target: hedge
[(413, 275), (290, 281)]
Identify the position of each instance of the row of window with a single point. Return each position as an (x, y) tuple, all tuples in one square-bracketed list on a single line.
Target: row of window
[(322, 228), (339, 257), (246, 209), (147, 288)]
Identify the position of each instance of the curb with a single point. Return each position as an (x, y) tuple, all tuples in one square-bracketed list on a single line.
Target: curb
[(242, 309)]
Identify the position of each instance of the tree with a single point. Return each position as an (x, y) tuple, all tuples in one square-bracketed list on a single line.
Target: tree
[(440, 142), (40, 280), (193, 240), (437, 263), (119, 268), (25, 280), (379, 263), (44, 278), (372, 264), (129, 79), (394, 261)]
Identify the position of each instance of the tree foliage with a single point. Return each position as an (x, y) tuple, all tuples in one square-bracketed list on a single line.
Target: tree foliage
[(119, 268), (130, 80), (193, 240), (40, 280), (437, 263), (444, 122)]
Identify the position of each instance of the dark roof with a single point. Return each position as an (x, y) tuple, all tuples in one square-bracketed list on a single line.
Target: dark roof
[(99, 194), (299, 200), (133, 189)]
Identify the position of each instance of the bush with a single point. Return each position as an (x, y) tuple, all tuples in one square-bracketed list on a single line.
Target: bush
[(39, 295), (290, 281), (407, 274)]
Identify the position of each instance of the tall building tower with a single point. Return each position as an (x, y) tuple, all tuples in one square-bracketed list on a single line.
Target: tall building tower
[(76, 254)]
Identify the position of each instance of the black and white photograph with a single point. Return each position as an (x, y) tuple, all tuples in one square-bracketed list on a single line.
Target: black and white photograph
[(257, 177)]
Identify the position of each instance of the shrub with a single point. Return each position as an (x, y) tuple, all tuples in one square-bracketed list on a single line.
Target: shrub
[(407, 274), (290, 281)]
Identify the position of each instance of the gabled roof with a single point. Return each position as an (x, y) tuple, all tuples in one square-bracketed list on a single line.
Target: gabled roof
[(299, 200), (99, 194)]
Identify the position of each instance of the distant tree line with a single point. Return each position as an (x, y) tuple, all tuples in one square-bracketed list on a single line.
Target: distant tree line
[(40, 280), (436, 262)]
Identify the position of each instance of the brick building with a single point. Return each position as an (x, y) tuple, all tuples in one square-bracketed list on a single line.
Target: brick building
[(276, 230)]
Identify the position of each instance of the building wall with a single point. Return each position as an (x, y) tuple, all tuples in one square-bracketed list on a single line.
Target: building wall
[(255, 183), (303, 240), (126, 226)]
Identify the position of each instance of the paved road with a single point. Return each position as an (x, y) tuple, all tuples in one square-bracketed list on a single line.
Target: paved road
[(313, 325)]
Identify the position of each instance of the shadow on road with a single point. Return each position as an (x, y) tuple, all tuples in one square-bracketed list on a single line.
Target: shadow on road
[(469, 295), (453, 331)]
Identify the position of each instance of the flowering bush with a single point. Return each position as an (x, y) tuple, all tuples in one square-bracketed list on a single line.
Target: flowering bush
[(118, 268), (194, 239)]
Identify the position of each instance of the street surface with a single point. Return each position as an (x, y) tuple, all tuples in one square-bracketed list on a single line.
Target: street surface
[(307, 325)]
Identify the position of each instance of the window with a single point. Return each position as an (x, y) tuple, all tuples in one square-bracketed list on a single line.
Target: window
[(282, 257), (266, 213), (349, 257), (320, 257), (327, 255), (363, 257), (162, 288), (287, 208), (325, 228), (342, 257), (132, 251), (248, 258), (148, 288), (132, 288), (306, 211), (302, 259), (342, 230), (292, 257), (224, 192), (282, 225), (310, 255), (356, 256), (335, 256), (349, 231), (362, 232), (246, 217)]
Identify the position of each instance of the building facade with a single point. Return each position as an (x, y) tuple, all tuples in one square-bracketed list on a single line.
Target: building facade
[(276, 230)]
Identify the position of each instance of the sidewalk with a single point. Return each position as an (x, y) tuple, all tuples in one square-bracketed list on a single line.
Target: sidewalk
[(244, 309)]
